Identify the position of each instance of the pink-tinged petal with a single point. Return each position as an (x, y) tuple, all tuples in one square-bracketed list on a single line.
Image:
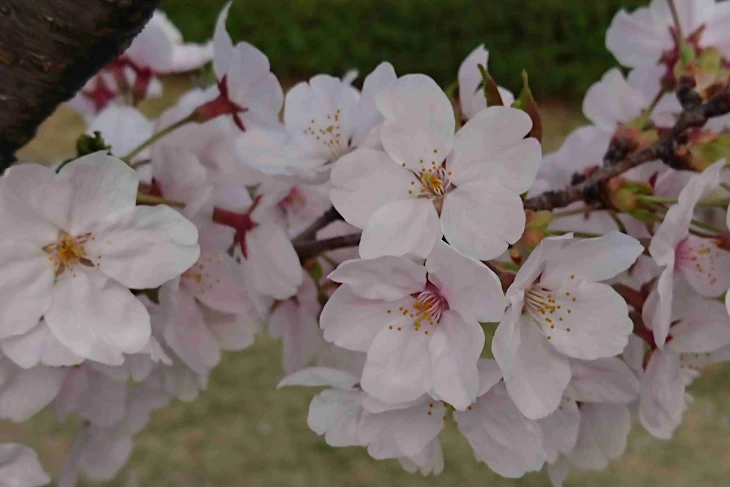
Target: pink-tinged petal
[(489, 375), (419, 121), (572, 325), (539, 374), (547, 250), (635, 39), (273, 262), (19, 467), (366, 117), (657, 311), (178, 172), (603, 380), (604, 430), (401, 227), (597, 259), (336, 414), (264, 100), (492, 146), (366, 180), (662, 392), (214, 281), (387, 278), (222, 44), (612, 101), (350, 321), (104, 188), (97, 318), (481, 218), (144, 248), (186, 332), (469, 286), (319, 377), (561, 429), (26, 289), (124, 129), (704, 265), (455, 348), (704, 331), (398, 366), (38, 346), (501, 436), (25, 392), (300, 333), (233, 332)]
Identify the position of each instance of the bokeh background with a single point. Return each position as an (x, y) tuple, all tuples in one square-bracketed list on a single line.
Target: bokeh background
[(243, 432)]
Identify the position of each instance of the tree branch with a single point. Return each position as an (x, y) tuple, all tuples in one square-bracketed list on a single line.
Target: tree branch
[(310, 233), (312, 248), (49, 49)]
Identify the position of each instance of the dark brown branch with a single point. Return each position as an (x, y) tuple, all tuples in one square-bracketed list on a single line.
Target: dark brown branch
[(310, 233), (312, 248), (49, 49), (693, 115)]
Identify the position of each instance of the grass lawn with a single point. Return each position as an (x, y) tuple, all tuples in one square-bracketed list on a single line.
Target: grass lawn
[(244, 432)]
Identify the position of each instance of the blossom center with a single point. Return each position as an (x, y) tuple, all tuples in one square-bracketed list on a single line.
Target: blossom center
[(699, 256), (551, 309), (328, 132), (68, 251), (435, 182)]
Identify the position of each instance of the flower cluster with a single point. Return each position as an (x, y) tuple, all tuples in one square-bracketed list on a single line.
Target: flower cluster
[(411, 250)]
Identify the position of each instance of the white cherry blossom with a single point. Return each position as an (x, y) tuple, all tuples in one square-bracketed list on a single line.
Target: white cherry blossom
[(419, 324), (19, 467), (431, 183), (552, 315), (471, 93), (78, 244)]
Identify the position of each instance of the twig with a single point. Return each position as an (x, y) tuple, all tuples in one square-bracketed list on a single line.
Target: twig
[(310, 233), (312, 248)]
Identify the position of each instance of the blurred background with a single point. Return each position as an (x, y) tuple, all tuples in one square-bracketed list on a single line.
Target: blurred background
[(242, 432)]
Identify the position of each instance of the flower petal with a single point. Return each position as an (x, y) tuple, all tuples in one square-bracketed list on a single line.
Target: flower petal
[(604, 430), (657, 311), (19, 467), (26, 289), (336, 413), (469, 286), (320, 376), (704, 265), (25, 392), (38, 346), (603, 380), (273, 262), (480, 218), (97, 318), (662, 393), (387, 278), (401, 227), (561, 429)]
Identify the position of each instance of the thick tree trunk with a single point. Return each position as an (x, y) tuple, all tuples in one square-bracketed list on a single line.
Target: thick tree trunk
[(49, 49)]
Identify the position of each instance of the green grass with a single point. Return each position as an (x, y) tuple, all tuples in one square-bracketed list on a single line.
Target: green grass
[(244, 432)]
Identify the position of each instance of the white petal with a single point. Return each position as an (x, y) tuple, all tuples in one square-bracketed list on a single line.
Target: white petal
[(320, 376), (492, 146), (576, 329), (350, 321), (104, 187), (489, 375), (657, 311), (561, 429), (481, 218), (597, 259), (366, 180), (558, 471), (26, 289), (25, 392), (336, 415), (145, 247), (388, 278), (539, 375), (273, 261), (507, 335), (222, 44), (366, 117), (419, 121), (429, 461), (38, 346), (124, 128), (19, 467), (398, 365), (469, 286), (97, 318), (401, 227), (612, 101), (604, 429), (455, 348), (702, 332), (662, 392), (602, 380), (469, 80), (635, 39)]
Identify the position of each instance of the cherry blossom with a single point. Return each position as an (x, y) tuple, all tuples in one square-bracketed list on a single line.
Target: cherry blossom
[(419, 324), (79, 243), (431, 183), (324, 119), (552, 316), (698, 261)]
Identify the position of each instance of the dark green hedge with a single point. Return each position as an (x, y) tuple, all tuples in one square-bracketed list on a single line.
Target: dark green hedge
[(559, 42)]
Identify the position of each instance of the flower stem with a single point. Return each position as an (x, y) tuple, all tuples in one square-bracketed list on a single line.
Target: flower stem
[(145, 199), (155, 137)]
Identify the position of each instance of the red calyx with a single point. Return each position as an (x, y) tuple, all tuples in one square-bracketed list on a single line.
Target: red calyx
[(242, 223), (222, 105), (100, 95)]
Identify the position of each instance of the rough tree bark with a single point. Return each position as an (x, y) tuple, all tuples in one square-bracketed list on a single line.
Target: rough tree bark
[(49, 49)]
